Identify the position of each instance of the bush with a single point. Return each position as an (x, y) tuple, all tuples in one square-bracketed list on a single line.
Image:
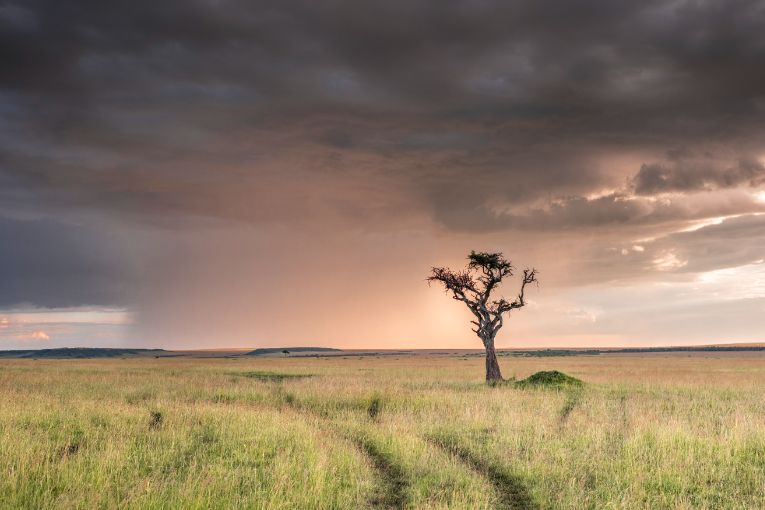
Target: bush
[(375, 406), (549, 379)]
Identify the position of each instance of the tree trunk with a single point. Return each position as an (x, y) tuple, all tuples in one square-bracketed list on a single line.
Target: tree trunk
[(493, 374)]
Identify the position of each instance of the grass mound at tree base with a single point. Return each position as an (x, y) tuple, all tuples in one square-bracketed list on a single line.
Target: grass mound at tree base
[(549, 379)]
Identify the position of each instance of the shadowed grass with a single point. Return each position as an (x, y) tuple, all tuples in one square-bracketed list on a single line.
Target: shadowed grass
[(264, 375)]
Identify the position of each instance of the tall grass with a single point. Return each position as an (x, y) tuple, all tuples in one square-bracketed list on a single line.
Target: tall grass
[(412, 431)]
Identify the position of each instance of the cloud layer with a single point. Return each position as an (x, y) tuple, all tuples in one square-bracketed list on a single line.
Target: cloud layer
[(154, 155)]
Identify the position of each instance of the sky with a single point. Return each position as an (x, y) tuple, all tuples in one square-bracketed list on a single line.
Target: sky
[(237, 173)]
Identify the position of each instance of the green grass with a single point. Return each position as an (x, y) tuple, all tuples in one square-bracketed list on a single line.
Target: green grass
[(414, 432)]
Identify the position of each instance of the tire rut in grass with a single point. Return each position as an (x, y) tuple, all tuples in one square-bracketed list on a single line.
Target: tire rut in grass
[(511, 489), (392, 478), (391, 475)]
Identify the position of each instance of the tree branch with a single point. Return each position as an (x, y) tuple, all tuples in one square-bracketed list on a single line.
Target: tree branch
[(474, 286), (529, 276)]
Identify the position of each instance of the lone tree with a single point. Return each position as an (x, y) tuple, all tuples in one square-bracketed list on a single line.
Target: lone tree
[(474, 286)]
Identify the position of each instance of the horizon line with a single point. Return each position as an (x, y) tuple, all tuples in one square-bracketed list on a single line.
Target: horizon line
[(398, 349)]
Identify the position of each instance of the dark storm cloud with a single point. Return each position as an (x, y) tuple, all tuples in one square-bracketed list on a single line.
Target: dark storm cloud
[(697, 175), (518, 91), (54, 264), (476, 116)]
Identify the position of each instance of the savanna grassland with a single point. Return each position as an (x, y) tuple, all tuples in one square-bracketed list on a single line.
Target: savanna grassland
[(646, 431)]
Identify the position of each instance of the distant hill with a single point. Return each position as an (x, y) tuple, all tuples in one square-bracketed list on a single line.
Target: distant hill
[(278, 350), (79, 353)]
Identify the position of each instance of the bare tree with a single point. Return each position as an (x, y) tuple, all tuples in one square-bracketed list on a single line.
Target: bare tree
[(474, 286)]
